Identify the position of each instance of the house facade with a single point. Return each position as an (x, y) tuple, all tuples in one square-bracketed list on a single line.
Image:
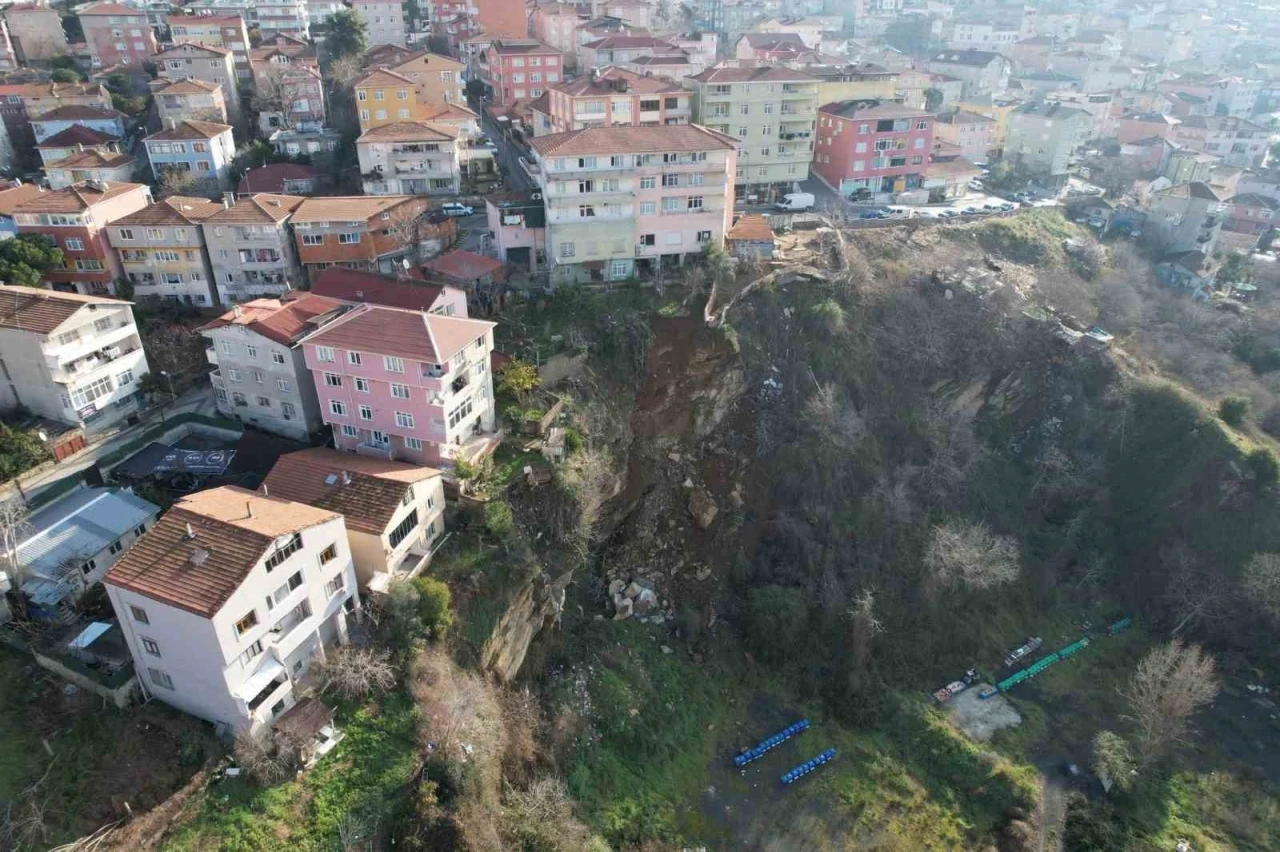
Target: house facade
[(1188, 217), (771, 111), (76, 218), (180, 99), (289, 17), (518, 223), (63, 118), (611, 96), (1237, 141), (394, 511), (405, 385), (229, 598), (228, 32), (967, 130), (251, 248), (983, 72), (878, 145), (73, 359), (116, 35), (627, 200), (409, 158), (202, 150), (261, 377), (36, 31), (379, 233), (161, 248), (384, 20), (1251, 214), (91, 165), (516, 70), (201, 62), (1045, 136)]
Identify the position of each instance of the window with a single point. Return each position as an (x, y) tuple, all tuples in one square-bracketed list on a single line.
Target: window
[(348, 239), (125, 378), (324, 353), (350, 431), (404, 528), (399, 391), (704, 236), (283, 384), (362, 385), (353, 358), (150, 646), (329, 554), (313, 239), (337, 584), (647, 208), (648, 182), (698, 179), (670, 205), (139, 614), (277, 357), (586, 211), (620, 268), (74, 244), (247, 623), (744, 109), (404, 420), (160, 679), (338, 407), (671, 180), (286, 410), (393, 364), (648, 239), (257, 376), (922, 125), (292, 546), (115, 548), (264, 402), (332, 380), (239, 399), (413, 443), (695, 202), (256, 648), (566, 249), (125, 234), (456, 416), (366, 413)]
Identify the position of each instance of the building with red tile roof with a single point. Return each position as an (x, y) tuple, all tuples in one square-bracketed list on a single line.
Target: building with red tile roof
[(413, 294)]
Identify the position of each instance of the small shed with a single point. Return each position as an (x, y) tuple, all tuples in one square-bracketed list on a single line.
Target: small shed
[(481, 277), (308, 727), (751, 237)]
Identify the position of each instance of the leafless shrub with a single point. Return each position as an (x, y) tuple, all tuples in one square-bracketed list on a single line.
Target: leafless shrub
[(968, 554), (265, 757), (357, 673), (1170, 684), (865, 626), (1261, 582), (541, 816)]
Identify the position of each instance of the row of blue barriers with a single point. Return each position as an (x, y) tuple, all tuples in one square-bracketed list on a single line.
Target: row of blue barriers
[(808, 766), (770, 743)]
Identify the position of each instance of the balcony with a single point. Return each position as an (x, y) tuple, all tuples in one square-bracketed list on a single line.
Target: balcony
[(211, 355), (370, 448), (76, 370), (292, 630), (799, 134), (215, 378)]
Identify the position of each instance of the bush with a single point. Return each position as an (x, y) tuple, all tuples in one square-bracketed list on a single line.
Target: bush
[(777, 620), (419, 609), (1266, 470), (572, 440), (434, 605), (1233, 411)]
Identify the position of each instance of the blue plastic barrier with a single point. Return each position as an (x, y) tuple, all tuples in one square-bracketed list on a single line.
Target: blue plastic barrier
[(760, 749), (808, 766)]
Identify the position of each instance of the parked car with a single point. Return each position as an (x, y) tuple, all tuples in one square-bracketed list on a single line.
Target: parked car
[(862, 193), (453, 208), (874, 214)]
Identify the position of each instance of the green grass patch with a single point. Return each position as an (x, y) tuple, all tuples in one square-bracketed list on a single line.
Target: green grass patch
[(367, 773)]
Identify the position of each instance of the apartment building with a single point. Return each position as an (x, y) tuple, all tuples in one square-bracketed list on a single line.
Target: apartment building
[(969, 131), (772, 111), (261, 377), (622, 201), (36, 30), (59, 119), (854, 81), (201, 149), (982, 72), (74, 140), (518, 225), (202, 62), (228, 32), (91, 165), (409, 291), (386, 97), (405, 385), (878, 145), (67, 546), (394, 511), (384, 20), (179, 99), (1251, 214), (1187, 217), (519, 70), (116, 35), (409, 158), (291, 98), (555, 25), (71, 358), (379, 233), (270, 16), (505, 19), (437, 80), (1237, 141), (162, 250), (252, 249), (609, 97), (1044, 137), (229, 598), (281, 49), (75, 219), (19, 102)]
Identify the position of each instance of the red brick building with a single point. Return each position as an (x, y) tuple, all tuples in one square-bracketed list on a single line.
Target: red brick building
[(117, 35), (879, 145), (520, 70)]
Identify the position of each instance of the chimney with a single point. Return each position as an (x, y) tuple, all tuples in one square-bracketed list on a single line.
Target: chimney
[(265, 493), (248, 507), (236, 311), (190, 532), (346, 478), (228, 200), (169, 124)]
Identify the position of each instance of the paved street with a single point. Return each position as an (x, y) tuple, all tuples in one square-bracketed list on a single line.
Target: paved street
[(473, 232), (508, 156)]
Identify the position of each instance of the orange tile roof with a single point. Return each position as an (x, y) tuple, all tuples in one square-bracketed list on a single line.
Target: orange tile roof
[(382, 77), (92, 159), (353, 285), (185, 87), (407, 131), (42, 311), (281, 321), (261, 207), (72, 112), (452, 112), (430, 338), (14, 196), (632, 140), (232, 530), (601, 82), (75, 198), (271, 177), (752, 228), (77, 134), (174, 210), (367, 497), (463, 265), (347, 208), (190, 129)]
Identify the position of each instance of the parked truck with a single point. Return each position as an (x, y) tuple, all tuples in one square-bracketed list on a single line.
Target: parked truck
[(795, 202)]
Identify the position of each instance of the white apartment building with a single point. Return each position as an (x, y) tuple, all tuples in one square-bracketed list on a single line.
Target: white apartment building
[(771, 110), (229, 598), (251, 249), (262, 377), (394, 511), (384, 20), (409, 158), (162, 250), (624, 201), (71, 358), (290, 17)]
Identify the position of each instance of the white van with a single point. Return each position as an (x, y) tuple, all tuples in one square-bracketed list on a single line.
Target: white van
[(795, 202)]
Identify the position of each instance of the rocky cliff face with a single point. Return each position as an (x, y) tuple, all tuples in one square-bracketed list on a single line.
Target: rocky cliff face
[(536, 608)]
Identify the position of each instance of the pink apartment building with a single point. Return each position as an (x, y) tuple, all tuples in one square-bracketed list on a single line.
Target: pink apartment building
[(117, 35), (520, 70), (555, 25), (879, 145), (609, 96), (969, 131), (405, 385)]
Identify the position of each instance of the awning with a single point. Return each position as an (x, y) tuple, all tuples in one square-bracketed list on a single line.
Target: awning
[(88, 635), (258, 681), (44, 592)]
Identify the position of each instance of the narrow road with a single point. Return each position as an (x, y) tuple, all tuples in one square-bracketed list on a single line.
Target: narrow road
[(1053, 808), (508, 156)]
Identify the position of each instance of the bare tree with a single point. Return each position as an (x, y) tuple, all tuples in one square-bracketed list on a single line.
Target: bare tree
[(14, 525), (282, 89), (1170, 684), (357, 673), (1193, 595), (968, 554), (407, 227), (865, 626), (267, 760), (175, 181), (1261, 582)]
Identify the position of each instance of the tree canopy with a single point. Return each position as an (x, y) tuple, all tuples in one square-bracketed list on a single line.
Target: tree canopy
[(25, 257), (347, 36)]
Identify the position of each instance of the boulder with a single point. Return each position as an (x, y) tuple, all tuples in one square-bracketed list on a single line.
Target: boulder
[(646, 600), (616, 587), (623, 607), (703, 508), (703, 573), (633, 591)]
